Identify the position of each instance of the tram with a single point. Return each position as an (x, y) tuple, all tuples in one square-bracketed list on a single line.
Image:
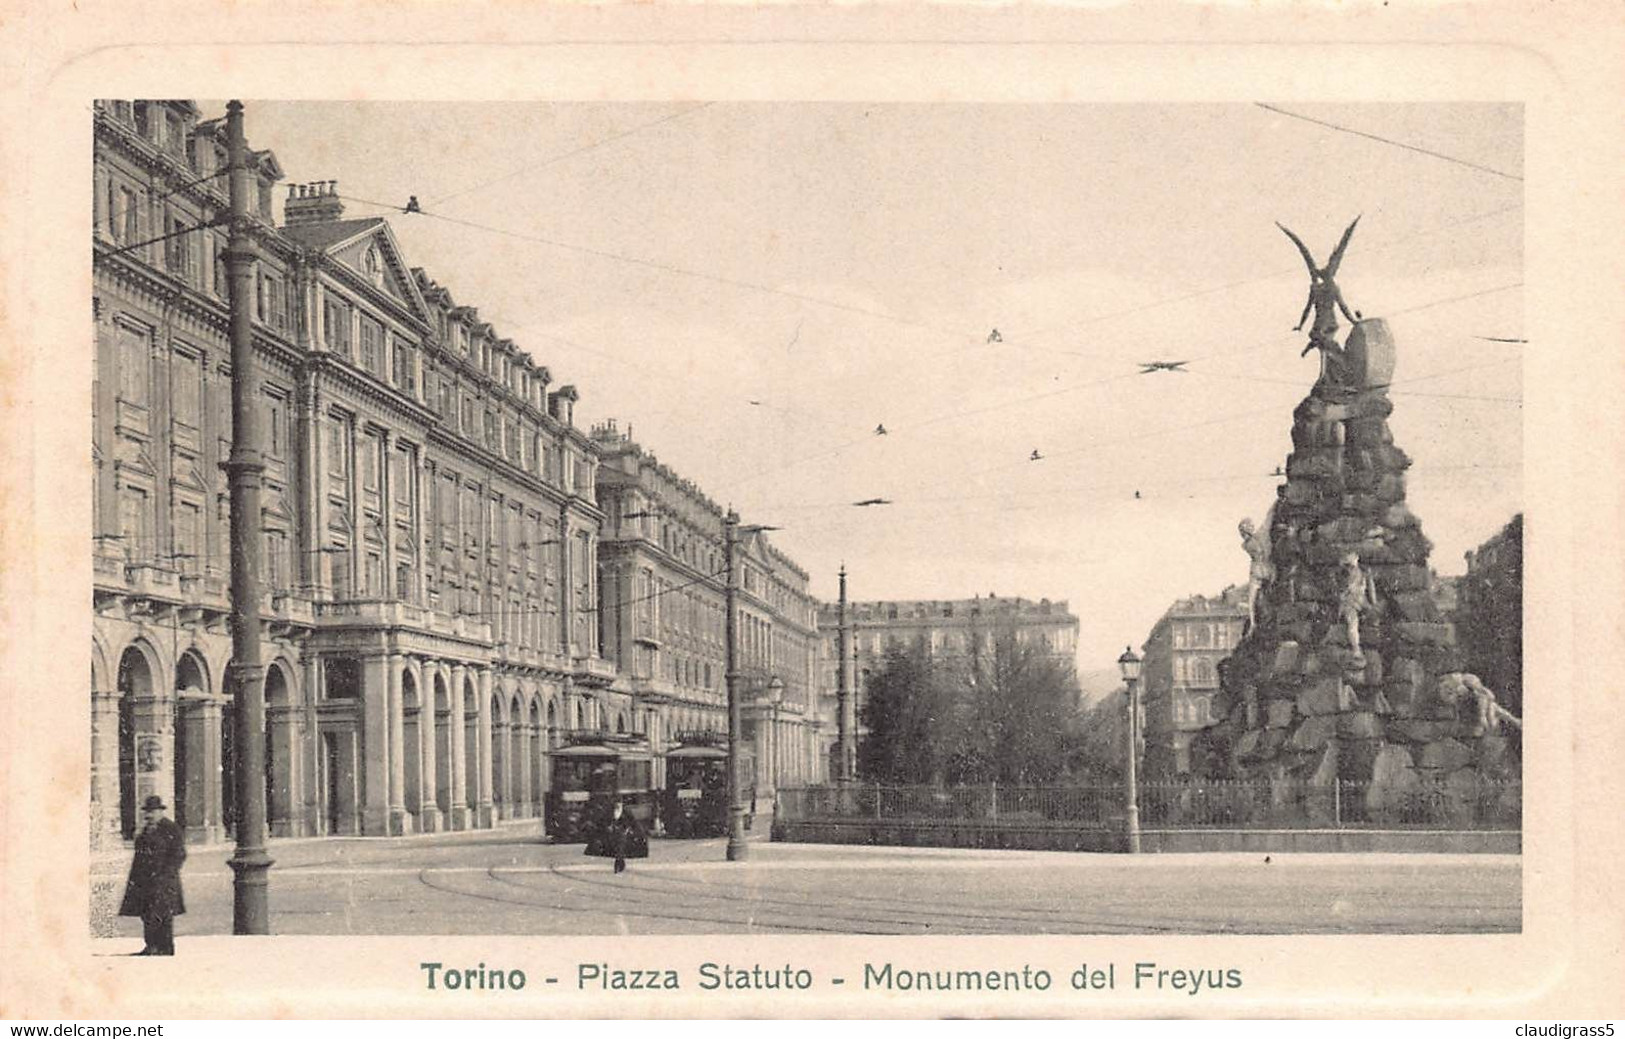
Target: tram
[(695, 802), (589, 773)]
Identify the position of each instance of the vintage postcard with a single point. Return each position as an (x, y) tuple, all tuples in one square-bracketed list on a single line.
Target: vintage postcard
[(724, 512)]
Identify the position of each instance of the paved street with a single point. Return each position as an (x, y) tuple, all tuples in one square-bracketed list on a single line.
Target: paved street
[(510, 882)]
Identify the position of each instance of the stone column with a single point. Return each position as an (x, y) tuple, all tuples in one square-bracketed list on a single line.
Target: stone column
[(311, 739), (429, 819), (566, 584), (423, 524), (386, 506), (104, 790), (154, 749), (375, 732), (460, 819), (485, 811), (312, 490), (399, 821), (284, 754)]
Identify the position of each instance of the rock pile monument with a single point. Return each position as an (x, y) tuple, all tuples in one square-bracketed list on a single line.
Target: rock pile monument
[(1347, 670)]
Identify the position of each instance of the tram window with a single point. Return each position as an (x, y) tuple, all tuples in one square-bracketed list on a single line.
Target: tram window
[(635, 775)]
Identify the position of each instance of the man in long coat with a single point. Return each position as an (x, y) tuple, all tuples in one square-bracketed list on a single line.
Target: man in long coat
[(153, 891)]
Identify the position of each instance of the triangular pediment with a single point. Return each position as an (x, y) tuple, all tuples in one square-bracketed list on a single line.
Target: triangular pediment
[(188, 477), (375, 258), (277, 511)]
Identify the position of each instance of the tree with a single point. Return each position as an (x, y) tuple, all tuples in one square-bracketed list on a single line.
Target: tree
[(1018, 715), (905, 704), (1098, 753), (1008, 715)]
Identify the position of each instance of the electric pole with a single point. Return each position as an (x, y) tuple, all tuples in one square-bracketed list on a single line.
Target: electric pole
[(736, 807), (250, 863), (845, 713)]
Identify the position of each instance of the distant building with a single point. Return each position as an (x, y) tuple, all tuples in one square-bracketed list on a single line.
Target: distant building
[(1180, 675), (1489, 617), (946, 628)]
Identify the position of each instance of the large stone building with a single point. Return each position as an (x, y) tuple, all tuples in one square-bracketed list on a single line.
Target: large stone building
[(946, 628), (1180, 675), (430, 523), (1489, 614), (663, 569)]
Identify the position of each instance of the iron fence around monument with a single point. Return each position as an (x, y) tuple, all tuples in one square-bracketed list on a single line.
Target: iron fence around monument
[(1428, 804)]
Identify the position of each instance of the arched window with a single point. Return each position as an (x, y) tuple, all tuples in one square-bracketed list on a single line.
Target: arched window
[(373, 265)]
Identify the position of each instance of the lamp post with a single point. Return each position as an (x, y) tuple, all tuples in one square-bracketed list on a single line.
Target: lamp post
[(1130, 665), (731, 530)]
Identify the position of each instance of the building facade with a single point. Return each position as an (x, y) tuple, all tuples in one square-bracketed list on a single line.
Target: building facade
[(948, 629), (664, 569), (1489, 614), (430, 523), (1180, 675)]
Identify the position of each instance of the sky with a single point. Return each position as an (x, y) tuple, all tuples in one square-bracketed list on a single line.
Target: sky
[(754, 287)]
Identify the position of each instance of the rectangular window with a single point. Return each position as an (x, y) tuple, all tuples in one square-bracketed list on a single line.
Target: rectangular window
[(336, 328), (134, 365), (403, 581), (276, 410), (367, 450), (338, 452), (372, 346), (400, 477), (188, 539), (178, 247), (124, 220), (375, 574), (403, 358), (467, 424), (135, 524), (275, 573), (338, 577), (188, 384), (221, 279), (491, 431)]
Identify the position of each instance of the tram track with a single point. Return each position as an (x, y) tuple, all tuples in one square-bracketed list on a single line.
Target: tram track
[(984, 922)]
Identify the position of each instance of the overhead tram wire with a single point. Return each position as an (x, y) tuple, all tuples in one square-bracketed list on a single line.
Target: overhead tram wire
[(1378, 245), (570, 154), (172, 192), (1388, 140), (975, 340), (207, 224), (819, 302), (966, 413), (718, 279), (1002, 499)]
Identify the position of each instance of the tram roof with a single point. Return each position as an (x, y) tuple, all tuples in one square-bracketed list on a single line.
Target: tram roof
[(595, 750), (697, 751)]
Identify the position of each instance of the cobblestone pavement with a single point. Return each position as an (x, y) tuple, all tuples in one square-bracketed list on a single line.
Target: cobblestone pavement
[(512, 882)]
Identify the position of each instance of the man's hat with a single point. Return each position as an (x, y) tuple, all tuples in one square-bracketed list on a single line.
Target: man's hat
[(153, 804)]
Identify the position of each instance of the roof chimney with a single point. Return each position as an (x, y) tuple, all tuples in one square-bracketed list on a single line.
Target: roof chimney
[(315, 203)]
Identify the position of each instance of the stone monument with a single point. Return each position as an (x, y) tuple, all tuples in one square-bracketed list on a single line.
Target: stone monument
[(1347, 670)]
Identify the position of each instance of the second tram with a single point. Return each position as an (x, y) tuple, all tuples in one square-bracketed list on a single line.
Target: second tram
[(695, 802)]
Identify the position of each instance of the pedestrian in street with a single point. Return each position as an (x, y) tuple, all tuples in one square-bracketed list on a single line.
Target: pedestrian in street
[(622, 837), (153, 891)]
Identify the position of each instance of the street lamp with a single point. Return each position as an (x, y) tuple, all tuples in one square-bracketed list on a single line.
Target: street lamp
[(736, 808), (1130, 665)]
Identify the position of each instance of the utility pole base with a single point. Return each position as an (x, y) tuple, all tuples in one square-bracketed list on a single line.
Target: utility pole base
[(250, 904)]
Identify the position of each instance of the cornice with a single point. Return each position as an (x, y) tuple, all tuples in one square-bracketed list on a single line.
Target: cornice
[(355, 283), (368, 387)]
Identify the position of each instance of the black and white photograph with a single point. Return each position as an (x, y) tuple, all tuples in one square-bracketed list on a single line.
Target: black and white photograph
[(937, 528), (787, 481)]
